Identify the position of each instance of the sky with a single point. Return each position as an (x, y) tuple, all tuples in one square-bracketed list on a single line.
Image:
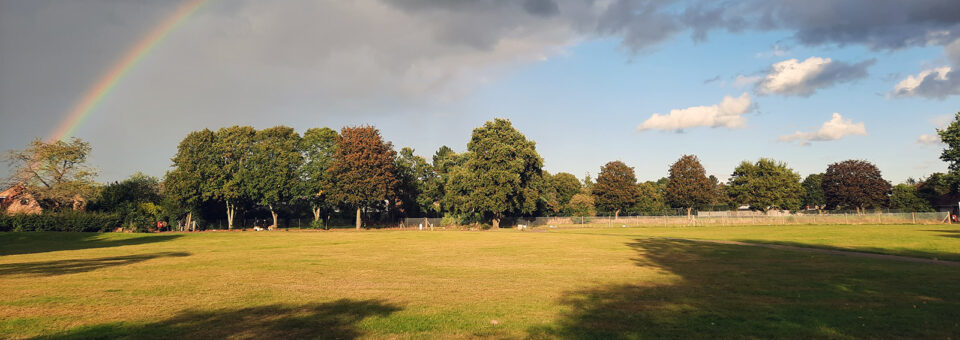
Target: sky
[(590, 81)]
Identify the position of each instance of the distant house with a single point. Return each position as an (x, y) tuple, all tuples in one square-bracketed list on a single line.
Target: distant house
[(16, 200)]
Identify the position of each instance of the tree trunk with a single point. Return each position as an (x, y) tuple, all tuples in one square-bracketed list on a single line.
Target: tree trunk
[(359, 220), (316, 214), (274, 214), (689, 212), (189, 218), (496, 224), (230, 213), (616, 214)]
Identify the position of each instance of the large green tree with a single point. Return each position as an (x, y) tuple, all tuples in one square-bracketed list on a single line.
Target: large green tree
[(650, 199), (854, 184), (616, 188), (581, 205), (271, 175), (813, 191), (940, 189), (951, 137), (688, 186), (188, 184), (363, 172), (766, 185), (504, 172), (565, 185), (56, 173), (319, 146), (904, 197), (232, 149), (414, 174)]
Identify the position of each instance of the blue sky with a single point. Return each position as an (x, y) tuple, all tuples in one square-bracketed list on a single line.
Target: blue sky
[(576, 77)]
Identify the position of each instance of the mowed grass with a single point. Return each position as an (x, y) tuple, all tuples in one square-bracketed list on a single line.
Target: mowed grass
[(599, 283), (938, 241)]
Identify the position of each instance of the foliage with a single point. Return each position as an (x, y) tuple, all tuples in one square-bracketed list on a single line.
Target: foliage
[(187, 185), (55, 173), (951, 137), (581, 205), (73, 221), (940, 189), (813, 191), (363, 171), (414, 175), (688, 186), (616, 188), (272, 171), (565, 185), (138, 188), (502, 174), (766, 185), (233, 150), (650, 198), (319, 147), (904, 197), (854, 184)]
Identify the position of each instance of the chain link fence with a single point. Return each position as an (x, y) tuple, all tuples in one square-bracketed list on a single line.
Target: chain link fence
[(711, 219)]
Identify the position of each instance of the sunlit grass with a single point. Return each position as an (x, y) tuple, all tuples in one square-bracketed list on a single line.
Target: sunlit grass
[(586, 283)]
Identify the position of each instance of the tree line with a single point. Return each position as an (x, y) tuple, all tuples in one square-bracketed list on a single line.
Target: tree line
[(500, 175)]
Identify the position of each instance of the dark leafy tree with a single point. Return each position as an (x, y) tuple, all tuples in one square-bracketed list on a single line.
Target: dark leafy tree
[(413, 174), (813, 191), (363, 172), (566, 185), (940, 189), (766, 185), (272, 176), (854, 184), (688, 186), (650, 200), (904, 197), (951, 137), (188, 184), (503, 170), (233, 150), (616, 188), (319, 146)]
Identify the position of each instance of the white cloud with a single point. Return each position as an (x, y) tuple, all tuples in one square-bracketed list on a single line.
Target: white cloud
[(929, 139), (933, 83), (727, 114), (834, 129), (803, 78)]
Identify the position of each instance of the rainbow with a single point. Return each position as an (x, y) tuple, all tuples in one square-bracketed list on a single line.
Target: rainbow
[(82, 109)]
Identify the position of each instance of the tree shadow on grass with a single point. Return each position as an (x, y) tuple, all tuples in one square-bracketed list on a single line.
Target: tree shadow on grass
[(61, 267), (15, 243), (947, 233), (332, 320), (731, 291), (900, 251)]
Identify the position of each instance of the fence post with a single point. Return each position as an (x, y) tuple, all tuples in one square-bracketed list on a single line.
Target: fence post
[(913, 216)]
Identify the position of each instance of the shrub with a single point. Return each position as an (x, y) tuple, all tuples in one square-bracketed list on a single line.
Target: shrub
[(60, 221)]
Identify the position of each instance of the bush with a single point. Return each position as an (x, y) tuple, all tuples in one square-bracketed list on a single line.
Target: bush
[(61, 221)]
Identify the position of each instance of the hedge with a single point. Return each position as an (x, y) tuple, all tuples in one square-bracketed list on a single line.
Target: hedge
[(62, 221)]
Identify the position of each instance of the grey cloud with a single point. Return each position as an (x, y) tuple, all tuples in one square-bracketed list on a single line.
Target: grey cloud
[(541, 7), (806, 77)]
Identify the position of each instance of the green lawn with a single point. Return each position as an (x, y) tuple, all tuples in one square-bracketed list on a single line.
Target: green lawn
[(570, 283)]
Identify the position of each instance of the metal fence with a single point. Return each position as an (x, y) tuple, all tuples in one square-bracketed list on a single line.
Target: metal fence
[(707, 220)]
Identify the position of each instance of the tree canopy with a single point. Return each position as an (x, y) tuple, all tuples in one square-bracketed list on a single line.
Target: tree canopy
[(55, 173), (951, 137), (616, 188), (854, 184), (503, 171), (813, 191), (766, 185), (688, 186), (363, 171)]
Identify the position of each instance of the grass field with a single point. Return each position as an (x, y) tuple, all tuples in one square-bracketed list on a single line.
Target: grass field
[(566, 283)]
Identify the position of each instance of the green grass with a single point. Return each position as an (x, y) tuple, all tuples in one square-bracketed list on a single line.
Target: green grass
[(596, 283), (926, 241)]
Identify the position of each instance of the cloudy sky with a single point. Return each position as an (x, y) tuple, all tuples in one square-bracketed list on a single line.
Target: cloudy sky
[(805, 82)]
